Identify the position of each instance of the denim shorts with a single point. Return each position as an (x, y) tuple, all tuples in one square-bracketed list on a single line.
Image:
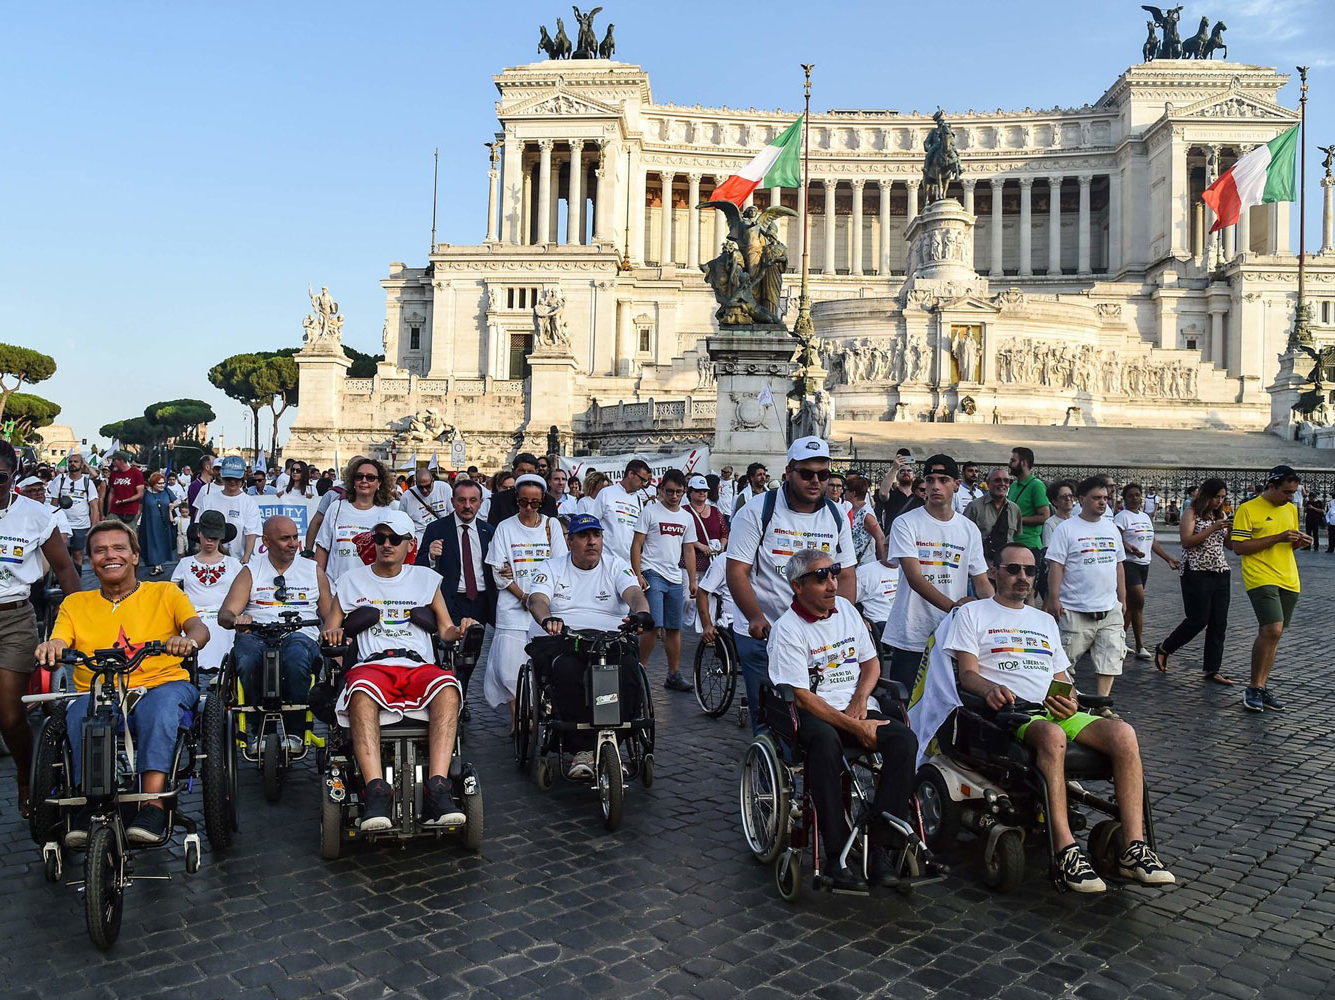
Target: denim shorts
[(78, 540), (666, 600)]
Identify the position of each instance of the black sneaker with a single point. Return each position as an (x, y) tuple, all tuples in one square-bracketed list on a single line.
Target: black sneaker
[(77, 835), (1270, 701), (149, 826), (847, 880), (438, 808), (1143, 865), (379, 803), (881, 870), (1077, 872), (1251, 700), (676, 682)]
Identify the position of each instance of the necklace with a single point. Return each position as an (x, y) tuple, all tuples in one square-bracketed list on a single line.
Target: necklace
[(117, 602)]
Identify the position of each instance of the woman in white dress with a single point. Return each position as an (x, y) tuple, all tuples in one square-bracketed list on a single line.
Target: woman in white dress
[(521, 545), (206, 577)]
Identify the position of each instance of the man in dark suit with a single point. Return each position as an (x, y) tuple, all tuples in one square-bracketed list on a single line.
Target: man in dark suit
[(455, 546), (503, 504)]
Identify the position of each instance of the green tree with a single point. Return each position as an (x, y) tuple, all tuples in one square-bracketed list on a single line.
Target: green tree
[(175, 419), (28, 412), (23, 365), (363, 365), (277, 380), (240, 377), (136, 435)]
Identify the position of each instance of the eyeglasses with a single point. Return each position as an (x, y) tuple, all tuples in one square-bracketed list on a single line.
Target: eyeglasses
[(533, 503), (823, 574), (672, 491), (1016, 569), (367, 477), (280, 588), (389, 538), (807, 475), (1065, 496)]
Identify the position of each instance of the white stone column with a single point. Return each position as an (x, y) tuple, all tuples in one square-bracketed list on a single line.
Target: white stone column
[(1328, 214), (602, 205), (855, 240), (1229, 240), (1115, 222), (544, 234), (512, 188), (493, 179), (998, 185), (1178, 204), (1054, 226), (912, 212), (693, 221), (885, 187), (1217, 314), (968, 184), (1243, 240), (1026, 228), (665, 247), (1084, 232), (639, 182), (1198, 232), (830, 189), (575, 195)]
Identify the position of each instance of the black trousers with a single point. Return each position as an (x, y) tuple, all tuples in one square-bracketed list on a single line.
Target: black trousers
[(1330, 537), (568, 675), (460, 607), (1314, 523), (1205, 602), (823, 746)]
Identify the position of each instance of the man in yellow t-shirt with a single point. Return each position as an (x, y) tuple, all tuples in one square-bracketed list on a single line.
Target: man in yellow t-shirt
[(1265, 534), (125, 613)]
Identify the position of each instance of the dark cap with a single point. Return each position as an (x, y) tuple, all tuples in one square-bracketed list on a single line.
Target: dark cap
[(940, 465), (212, 524), (1280, 473)]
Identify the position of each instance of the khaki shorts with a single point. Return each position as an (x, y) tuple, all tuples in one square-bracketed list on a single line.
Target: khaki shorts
[(18, 639), (1104, 639)]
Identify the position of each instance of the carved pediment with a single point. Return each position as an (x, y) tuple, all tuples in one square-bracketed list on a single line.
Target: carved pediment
[(970, 304), (1234, 103), (560, 104)]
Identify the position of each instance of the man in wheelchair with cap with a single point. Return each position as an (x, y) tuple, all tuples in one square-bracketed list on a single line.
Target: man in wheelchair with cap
[(593, 589), (396, 675)]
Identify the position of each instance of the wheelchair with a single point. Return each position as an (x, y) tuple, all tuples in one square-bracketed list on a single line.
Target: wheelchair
[(715, 674), (403, 751), (110, 787), (540, 731), (779, 818), (225, 717), (986, 782)]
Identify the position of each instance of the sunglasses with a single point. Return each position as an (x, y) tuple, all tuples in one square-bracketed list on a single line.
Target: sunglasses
[(529, 502), (823, 574), (367, 477), (1016, 569), (389, 538), (807, 475), (280, 588)]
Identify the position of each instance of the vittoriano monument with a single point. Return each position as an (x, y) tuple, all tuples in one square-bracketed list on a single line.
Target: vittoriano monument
[(747, 276)]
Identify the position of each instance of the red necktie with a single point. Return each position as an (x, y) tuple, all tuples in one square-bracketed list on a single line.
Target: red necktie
[(470, 578)]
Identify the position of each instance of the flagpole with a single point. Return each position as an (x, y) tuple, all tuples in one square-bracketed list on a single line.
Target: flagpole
[(435, 188), (804, 328), (1301, 334)]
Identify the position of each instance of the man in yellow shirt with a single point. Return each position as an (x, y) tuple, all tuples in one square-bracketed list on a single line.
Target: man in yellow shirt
[(126, 613), (1265, 534)]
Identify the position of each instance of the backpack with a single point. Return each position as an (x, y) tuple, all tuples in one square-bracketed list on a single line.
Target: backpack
[(767, 513)]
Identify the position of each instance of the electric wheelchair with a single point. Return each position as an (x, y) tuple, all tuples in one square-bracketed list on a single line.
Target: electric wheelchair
[(985, 781), (403, 750), (611, 713), (110, 785), (778, 815)]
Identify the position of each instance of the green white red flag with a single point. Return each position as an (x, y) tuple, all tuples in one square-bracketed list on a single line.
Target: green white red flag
[(777, 165), (1258, 178)]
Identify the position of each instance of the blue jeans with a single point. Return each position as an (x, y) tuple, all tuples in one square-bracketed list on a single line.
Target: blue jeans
[(665, 600), (299, 656), (754, 657), (154, 721)]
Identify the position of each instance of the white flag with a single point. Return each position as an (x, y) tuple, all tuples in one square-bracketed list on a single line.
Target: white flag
[(260, 465), (766, 397), (434, 464), (414, 465), (338, 466)]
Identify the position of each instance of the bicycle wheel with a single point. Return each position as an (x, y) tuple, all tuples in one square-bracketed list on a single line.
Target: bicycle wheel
[(715, 676)]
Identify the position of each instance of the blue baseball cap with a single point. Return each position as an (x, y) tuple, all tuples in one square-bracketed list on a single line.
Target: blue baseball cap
[(584, 522), (233, 467)]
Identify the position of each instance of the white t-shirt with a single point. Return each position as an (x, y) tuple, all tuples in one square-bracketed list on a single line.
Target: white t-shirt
[(525, 549), (1020, 648), (24, 526), (1138, 532), (788, 532), (966, 495), (339, 532), (301, 591), (830, 649), (437, 503), (877, 584), (241, 511), (207, 584), (414, 587), (1089, 551), (619, 512), (948, 554), (567, 506), (62, 522), (1151, 503), (715, 581), (80, 491), (665, 533), (584, 598), (727, 494)]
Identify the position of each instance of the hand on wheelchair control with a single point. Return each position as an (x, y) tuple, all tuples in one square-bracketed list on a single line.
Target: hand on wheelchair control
[(333, 637), (642, 620), (48, 653), (999, 697), (553, 626), (758, 628), (243, 620)]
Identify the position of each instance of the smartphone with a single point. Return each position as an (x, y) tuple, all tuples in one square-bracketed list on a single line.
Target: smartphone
[(1060, 689)]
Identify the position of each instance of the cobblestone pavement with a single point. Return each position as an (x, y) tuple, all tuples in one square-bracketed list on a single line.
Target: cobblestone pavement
[(672, 905)]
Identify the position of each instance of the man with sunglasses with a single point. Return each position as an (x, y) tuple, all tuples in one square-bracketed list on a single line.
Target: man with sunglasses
[(267, 586), (822, 649), (766, 533), (939, 551), (1006, 650), (617, 507)]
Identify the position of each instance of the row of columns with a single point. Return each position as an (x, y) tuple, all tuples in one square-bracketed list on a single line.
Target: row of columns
[(1083, 232)]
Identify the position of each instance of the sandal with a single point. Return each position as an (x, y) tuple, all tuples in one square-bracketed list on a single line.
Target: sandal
[(1217, 679), (1161, 659)]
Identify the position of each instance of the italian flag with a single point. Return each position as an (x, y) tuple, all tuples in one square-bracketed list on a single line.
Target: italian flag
[(1258, 178), (777, 165)]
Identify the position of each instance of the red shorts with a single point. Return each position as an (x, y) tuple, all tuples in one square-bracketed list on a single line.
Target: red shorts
[(399, 690)]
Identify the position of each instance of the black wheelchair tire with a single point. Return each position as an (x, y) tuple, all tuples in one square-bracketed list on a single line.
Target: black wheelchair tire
[(523, 712), (611, 787), (272, 759), (104, 898), (647, 771), (474, 821), (762, 762), (331, 827), (53, 865), (715, 662), (219, 791), (650, 728), (788, 876), (544, 774), (1005, 870), (940, 813), (1106, 846), (48, 761)]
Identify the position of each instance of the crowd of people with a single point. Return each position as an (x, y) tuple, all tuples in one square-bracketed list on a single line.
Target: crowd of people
[(826, 579)]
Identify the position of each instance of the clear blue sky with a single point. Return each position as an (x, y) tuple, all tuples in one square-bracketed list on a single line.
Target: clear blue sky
[(174, 174)]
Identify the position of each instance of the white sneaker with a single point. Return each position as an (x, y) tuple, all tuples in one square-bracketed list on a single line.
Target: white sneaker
[(1144, 654), (1077, 872), (582, 765), (1143, 865)]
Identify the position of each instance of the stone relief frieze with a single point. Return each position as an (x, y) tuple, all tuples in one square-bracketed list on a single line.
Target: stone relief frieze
[(1084, 368)]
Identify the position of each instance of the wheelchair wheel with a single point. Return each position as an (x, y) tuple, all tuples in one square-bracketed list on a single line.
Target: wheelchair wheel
[(647, 771), (272, 760), (788, 875), (331, 827), (473, 819), (940, 813), (763, 797), (1003, 866), (1106, 843), (523, 716), (611, 787), (46, 779), (219, 772), (544, 774), (104, 897), (715, 676)]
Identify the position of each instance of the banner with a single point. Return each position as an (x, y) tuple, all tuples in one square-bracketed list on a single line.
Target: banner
[(301, 511), (695, 461)]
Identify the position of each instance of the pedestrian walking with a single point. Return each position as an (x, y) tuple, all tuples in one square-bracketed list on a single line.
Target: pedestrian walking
[(1205, 580), (157, 534), (1137, 528), (1314, 515)]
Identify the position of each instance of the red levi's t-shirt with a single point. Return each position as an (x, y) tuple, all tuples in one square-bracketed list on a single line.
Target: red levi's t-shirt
[(123, 487)]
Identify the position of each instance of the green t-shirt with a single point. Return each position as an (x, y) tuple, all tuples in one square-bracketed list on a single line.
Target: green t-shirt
[(1030, 495)]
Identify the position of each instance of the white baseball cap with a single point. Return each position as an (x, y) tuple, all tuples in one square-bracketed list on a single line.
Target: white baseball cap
[(31, 481), (808, 447), (697, 483), (396, 521)]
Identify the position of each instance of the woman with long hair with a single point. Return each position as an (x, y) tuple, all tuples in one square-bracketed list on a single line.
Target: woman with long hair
[(1205, 579), (298, 483), (593, 482), (352, 518), (869, 540)]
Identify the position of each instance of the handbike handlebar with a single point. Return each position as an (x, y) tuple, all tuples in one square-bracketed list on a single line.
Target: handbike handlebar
[(109, 662)]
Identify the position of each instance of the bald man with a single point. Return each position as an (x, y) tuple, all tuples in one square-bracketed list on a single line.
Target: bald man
[(277, 581)]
